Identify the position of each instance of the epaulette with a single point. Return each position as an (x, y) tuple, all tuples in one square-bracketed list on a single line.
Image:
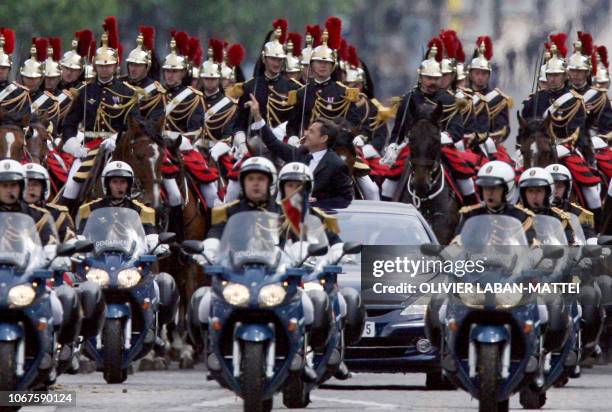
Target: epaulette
[(350, 93), (236, 91), (60, 208), (292, 97), (219, 213), (196, 91), (330, 222), (507, 97), (384, 113), (467, 209), (85, 209), (147, 214), (586, 217), (561, 213), (524, 210), (72, 92)]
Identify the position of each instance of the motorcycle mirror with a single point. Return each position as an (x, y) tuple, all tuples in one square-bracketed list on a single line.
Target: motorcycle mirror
[(591, 251), (351, 248), (429, 249), (192, 246), (604, 240), (65, 249), (167, 237), (83, 246), (552, 252), (317, 250)]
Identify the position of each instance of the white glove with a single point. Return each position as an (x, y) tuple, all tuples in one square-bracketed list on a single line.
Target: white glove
[(239, 147), (186, 145), (294, 141), (63, 264), (359, 141), (489, 146), (109, 143), (219, 149), (445, 138), (162, 250), (390, 154), (50, 251), (370, 152), (211, 248), (460, 145), (74, 147), (152, 241), (280, 131)]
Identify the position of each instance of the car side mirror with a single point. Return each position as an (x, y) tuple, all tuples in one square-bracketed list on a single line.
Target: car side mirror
[(604, 240), (193, 247), (429, 249), (166, 238), (351, 248)]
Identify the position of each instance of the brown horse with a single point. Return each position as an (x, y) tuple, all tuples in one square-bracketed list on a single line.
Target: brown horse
[(537, 147), (422, 182), (12, 136), (188, 276)]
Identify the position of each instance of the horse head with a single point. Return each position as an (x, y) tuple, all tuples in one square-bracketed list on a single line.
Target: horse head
[(12, 137), (343, 145), (536, 145), (39, 138), (425, 145)]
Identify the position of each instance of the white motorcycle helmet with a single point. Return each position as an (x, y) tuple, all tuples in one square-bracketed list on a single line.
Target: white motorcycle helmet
[(261, 165), (537, 177), (12, 171), (34, 171), (498, 173), (561, 173), (296, 172), (117, 169)]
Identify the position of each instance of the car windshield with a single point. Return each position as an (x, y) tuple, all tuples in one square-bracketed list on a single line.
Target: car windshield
[(116, 229), (20, 245), (250, 238), (381, 229)]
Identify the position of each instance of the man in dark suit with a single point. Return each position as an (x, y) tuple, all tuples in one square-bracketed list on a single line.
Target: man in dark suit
[(333, 186)]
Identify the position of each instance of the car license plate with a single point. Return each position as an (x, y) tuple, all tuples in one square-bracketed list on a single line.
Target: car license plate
[(369, 330)]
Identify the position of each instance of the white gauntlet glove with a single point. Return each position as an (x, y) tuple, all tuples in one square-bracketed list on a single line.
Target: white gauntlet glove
[(211, 249), (152, 241), (186, 145), (369, 152), (294, 141), (74, 147), (359, 141), (390, 154), (219, 149), (280, 131), (239, 147), (109, 144)]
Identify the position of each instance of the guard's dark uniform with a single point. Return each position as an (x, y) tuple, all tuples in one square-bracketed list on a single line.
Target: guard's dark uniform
[(329, 100), (187, 116), (525, 216), (373, 121), (405, 118), (565, 221), (44, 104), (41, 217), (63, 221), (107, 108), (497, 107), (220, 116), (221, 214), (150, 98), (147, 215), (15, 100), (585, 217), (273, 96), (599, 110), (65, 98)]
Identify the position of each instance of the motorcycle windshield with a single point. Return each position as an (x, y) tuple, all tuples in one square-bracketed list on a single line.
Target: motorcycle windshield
[(579, 236), (250, 238), (116, 229), (20, 245), (296, 246), (549, 230)]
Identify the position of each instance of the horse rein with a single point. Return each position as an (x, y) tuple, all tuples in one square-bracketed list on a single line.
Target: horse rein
[(416, 199)]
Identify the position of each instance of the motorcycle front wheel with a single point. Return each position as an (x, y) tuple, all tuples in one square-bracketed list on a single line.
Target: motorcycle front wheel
[(488, 372), (112, 342), (8, 378), (253, 379)]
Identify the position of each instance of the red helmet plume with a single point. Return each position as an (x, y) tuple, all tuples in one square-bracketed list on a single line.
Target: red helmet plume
[(488, 52), (283, 26), (235, 55), (334, 31)]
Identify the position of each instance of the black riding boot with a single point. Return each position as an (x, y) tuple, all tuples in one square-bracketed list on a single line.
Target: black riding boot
[(598, 217)]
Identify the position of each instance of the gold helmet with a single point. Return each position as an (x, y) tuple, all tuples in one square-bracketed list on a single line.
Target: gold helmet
[(601, 74), (179, 49), (354, 72), (73, 58), (51, 65), (556, 63), (583, 48), (313, 35), (211, 69), (330, 41), (7, 46), (89, 72), (105, 54), (33, 66), (460, 69), (483, 54), (294, 49), (139, 55), (431, 65), (274, 47)]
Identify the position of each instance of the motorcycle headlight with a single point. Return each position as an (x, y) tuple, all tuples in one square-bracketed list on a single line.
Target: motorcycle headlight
[(128, 278), (472, 299), (508, 300), (98, 276), (315, 285), (236, 294), (21, 295), (271, 295)]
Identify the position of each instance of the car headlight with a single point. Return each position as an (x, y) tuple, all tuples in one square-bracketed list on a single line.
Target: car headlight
[(236, 294), (128, 278), (315, 285), (271, 295), (98, 276), (508, 300), (414, 310), (21, 295), (472, 298)]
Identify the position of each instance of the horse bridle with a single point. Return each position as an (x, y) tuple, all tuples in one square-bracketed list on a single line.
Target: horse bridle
[(437, 172)]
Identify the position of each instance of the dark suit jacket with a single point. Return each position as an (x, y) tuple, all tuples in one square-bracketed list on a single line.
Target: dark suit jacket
[(333, 186)]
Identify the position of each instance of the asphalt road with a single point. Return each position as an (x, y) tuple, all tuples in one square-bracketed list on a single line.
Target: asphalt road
[(187, 390)]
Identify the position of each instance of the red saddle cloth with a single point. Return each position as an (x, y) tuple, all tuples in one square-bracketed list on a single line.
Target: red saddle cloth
[(461, 165), (582, 173), (604, 162), (503, 155), (194, 162), (55, 167)]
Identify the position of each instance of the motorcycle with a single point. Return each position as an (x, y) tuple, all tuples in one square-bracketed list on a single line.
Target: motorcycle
[(27, 337), (492, 326), (256, 333), (121, 265)]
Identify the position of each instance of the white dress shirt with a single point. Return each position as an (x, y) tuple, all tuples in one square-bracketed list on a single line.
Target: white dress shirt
[(316, 159)]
